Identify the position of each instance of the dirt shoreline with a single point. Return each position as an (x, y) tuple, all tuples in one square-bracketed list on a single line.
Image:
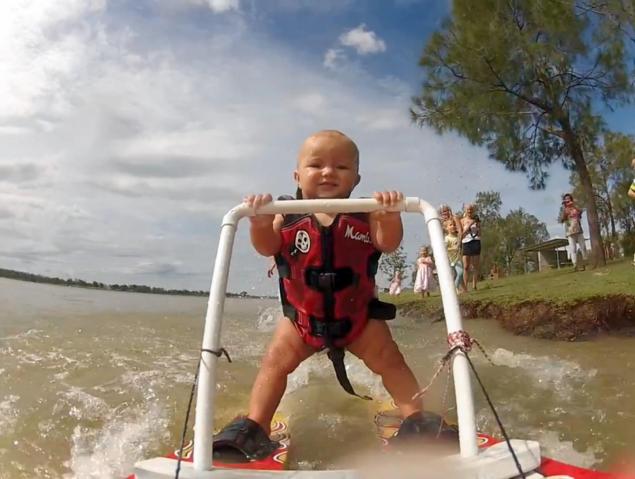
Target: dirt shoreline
[(573, 321)]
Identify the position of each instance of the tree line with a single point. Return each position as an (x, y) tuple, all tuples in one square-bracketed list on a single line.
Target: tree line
[(133, 288)]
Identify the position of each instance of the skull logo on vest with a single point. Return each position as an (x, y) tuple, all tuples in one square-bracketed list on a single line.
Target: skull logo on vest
[(302, 241)]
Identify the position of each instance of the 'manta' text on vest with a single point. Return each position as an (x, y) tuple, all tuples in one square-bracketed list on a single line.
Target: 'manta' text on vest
[(356, 235)]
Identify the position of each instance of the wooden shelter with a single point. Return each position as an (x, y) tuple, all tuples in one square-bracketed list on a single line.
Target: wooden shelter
[(551, 254)]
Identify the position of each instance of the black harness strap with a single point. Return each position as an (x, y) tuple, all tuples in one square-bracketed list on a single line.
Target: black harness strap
[(336, 355)]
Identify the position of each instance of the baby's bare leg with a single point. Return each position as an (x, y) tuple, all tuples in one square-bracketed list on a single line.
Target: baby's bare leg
[(381, 355), (284, 354)]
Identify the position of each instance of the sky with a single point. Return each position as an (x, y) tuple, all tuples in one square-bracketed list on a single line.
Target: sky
[(127, 129)]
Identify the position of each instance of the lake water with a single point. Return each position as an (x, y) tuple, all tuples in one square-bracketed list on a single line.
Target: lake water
[(93, 381)]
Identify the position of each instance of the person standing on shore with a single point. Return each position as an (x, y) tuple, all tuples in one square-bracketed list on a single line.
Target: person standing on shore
[(631, 190), (471, 243), (571, 216), (631, 194), (453, 246), (447, 217), (424, 278), (395, 285)]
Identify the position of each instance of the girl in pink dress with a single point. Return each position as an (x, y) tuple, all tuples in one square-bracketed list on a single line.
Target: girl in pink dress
[(424, 279), (395, 284)]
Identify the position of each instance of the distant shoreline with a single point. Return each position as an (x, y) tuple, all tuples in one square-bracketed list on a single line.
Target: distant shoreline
[(126, 288)]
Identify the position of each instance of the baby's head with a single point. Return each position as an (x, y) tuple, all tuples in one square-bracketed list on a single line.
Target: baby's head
[(424, 252), (328, 166)]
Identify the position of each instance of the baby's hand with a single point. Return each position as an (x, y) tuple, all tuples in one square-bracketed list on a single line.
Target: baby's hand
[(386, 199), (256, 201)]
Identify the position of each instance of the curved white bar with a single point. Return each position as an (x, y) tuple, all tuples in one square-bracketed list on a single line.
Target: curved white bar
[(357, 205), (211, 337)]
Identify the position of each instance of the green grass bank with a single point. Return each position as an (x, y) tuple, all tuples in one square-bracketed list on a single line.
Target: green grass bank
[(556, 304)]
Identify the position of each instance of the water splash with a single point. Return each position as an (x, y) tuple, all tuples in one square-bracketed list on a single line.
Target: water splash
[(8, 414), (268, 318), (559, 375), (110, 452), (320, 366), (564, 450)]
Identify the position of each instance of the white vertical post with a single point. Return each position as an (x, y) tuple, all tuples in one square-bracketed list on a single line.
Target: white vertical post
[(204, 418), (460, 366)]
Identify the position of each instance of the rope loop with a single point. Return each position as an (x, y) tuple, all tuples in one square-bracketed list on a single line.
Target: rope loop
[(460, 339), (218, 353), (457, 341)]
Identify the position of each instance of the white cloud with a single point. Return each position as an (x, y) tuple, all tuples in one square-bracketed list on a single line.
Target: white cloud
[(333, 57), (363, 41), (37, 58), (221, 6), (217, 6)]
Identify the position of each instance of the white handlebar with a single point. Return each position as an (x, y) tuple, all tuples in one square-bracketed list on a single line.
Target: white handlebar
[(410, 204)]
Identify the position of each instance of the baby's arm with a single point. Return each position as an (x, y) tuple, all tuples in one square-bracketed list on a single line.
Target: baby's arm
[(386, 229), (265, 229)]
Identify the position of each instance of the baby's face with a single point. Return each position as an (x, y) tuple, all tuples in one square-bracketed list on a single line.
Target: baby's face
[(327, 167)]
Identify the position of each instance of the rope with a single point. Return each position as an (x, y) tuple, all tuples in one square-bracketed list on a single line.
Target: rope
[(461, 341), (444, 401), (498, 420), (218, 354), (187, 419)]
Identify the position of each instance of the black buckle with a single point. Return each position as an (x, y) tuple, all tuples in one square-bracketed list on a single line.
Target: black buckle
[(329, 280), (326, 281), (336, 329)]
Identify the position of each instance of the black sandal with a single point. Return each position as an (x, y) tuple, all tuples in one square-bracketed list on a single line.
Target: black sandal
[(243, 440), (425, 424)]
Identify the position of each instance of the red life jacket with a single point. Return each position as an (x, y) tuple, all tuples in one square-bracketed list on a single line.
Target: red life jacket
[(327, 278)]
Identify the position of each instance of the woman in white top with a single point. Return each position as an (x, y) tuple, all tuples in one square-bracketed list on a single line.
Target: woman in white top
[(471, 243)]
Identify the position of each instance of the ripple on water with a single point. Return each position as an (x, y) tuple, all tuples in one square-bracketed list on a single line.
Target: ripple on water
[(565, 451), (268, 318), (561, 376), (8, 414)]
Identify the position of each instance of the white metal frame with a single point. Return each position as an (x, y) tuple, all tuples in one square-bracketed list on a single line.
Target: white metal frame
[(495, 463)]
